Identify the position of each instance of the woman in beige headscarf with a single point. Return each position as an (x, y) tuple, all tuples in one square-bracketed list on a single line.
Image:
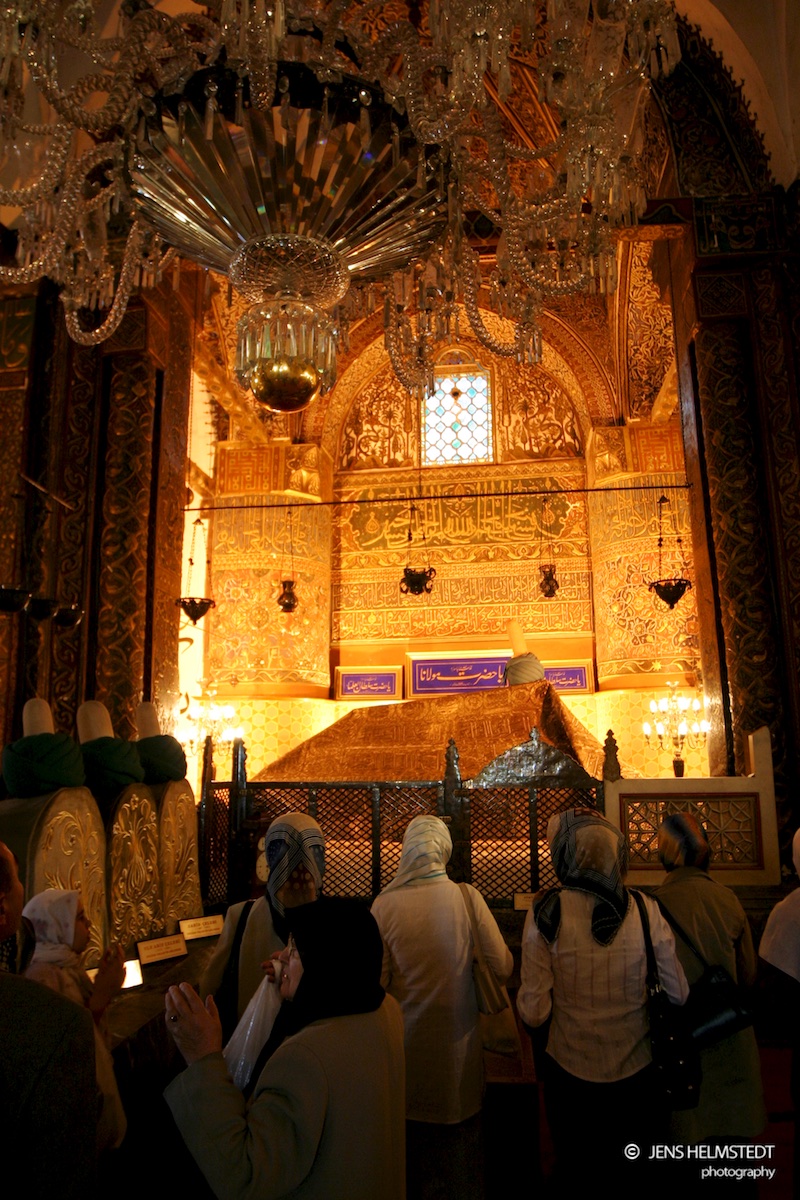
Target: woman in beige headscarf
[(427, 967), (708, 921)]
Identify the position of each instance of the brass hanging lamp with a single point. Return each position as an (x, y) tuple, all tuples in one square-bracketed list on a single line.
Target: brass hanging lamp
[(548, 585), (416, 580), (670, 589), (287, 600), (195, 607)]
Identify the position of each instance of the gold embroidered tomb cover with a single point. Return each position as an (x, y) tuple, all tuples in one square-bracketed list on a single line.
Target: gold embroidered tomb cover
[(407, 741)]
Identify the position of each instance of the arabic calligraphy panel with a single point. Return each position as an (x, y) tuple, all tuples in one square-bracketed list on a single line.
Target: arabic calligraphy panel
[(485, 544)]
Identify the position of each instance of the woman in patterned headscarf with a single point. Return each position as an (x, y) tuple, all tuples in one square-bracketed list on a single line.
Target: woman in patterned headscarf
[(709, 914), (584, 971), (427, 967), (255, 931)]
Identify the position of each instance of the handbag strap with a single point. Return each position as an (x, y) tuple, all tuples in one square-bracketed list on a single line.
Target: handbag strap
[(476, 941), (680, 931), (653, 982)]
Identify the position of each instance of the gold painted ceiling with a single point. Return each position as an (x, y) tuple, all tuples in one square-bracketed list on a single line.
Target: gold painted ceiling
[(408, 741)]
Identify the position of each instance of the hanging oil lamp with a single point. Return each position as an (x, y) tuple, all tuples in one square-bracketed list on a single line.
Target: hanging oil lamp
[(287, 600), (670, 589), (416, 580), (195, 607), (548, 584)]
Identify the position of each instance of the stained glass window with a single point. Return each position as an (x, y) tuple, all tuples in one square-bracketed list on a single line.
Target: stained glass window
[(457, 419)]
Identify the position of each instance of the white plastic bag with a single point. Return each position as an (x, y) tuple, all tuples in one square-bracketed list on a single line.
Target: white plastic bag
[(250, 1035)]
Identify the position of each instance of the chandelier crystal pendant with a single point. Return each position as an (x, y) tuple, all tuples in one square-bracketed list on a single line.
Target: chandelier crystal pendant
[(324, 187), (302, 148)]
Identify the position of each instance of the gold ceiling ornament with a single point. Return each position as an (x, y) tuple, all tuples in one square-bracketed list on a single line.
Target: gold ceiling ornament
[(309, 152)]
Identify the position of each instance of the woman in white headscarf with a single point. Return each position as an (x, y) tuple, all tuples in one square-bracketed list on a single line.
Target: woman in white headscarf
[(62, 930), (257, 930), (427, 967)]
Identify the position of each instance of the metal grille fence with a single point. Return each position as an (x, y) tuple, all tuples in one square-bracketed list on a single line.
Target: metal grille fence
[(499, 833), (508, 836), (215, 844), (399, 806)]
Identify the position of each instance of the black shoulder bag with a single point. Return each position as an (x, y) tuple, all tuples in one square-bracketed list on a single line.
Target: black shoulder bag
[(676, 1059), (716, 1007)]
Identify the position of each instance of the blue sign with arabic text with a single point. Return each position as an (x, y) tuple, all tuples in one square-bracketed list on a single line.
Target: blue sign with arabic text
[(435, 676), (369, 685), (432, 676), (567, 679)]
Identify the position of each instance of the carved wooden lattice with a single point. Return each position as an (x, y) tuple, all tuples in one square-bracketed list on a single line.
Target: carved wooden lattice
[(731, 822)]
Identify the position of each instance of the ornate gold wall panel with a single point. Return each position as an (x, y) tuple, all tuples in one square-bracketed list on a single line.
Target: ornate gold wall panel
[(254, 470), (636, 633), (252, 640), (485, 548), (570, 375), (167, 521), (577, 333), (649, 346), (76, 481), (533, 417), (536, 418), (134, 885), (657, 449), (608, 453), (177, 850), (746, 613), (16, 332), (122, 585)]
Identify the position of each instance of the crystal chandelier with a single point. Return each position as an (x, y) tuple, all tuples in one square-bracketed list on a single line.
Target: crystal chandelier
[(202, 717), (314, 154), (678, 721)]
